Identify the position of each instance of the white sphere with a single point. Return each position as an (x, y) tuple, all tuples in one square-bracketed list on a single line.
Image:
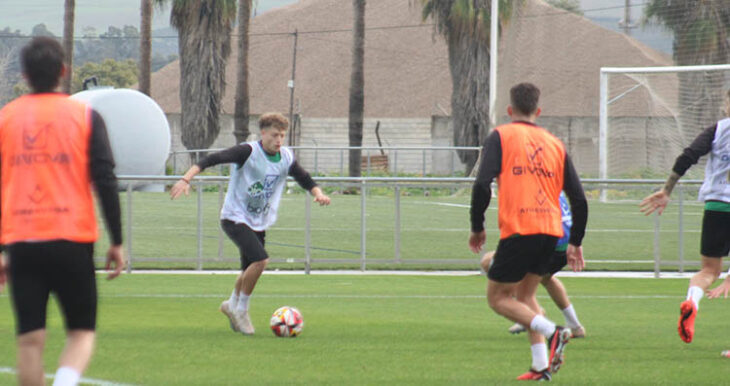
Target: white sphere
[(138, 131)]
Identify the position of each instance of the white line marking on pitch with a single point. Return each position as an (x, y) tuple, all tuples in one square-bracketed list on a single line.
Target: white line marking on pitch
[(90, 381), (338, 296)]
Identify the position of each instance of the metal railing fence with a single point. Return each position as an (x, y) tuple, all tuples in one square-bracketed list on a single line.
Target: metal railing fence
[(396, 185)]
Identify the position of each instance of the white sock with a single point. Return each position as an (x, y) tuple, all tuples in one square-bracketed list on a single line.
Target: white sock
[(242, 302), (233, 300), (542, 325), (571, 318), (539, 356), (66, 376), (695, 293)]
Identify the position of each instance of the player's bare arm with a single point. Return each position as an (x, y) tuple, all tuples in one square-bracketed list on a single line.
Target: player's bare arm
[(183, 184), (575, 257), (319, 197), (477, 240), (659, 200), (115, 261), (722, 289)]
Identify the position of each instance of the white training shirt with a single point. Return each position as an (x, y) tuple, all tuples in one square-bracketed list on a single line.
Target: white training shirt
[(254, 190), (716, 185)]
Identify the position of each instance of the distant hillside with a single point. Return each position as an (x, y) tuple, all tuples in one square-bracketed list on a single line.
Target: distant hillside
[(23, 14)]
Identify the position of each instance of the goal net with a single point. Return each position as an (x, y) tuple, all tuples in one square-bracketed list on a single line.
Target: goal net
[(648, 115)]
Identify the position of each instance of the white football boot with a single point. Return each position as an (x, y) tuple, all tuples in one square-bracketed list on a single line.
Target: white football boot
[(578, 332), (243, 322), (226, 310), (517, 328)]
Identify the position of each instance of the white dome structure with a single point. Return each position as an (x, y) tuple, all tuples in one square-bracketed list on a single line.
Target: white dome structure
[(137, 127)]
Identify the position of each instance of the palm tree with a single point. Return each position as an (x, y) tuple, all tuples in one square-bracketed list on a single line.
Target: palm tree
[(701, 31), (357, 87), (68, 42), (145, 46), (465, 26), (204, 30), (241, 112)]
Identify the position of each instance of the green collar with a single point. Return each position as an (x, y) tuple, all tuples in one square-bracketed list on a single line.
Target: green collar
[(271, 157)]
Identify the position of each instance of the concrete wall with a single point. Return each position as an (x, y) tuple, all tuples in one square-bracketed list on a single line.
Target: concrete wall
[(634, 143), (333, 132)]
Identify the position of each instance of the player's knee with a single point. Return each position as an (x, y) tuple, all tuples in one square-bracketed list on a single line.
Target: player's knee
[(486, 261), (712, 270), (260, 265), (33, 339), (496, 301), (546, 280)]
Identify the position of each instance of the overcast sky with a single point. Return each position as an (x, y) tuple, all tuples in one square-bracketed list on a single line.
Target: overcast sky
[(24, 14)]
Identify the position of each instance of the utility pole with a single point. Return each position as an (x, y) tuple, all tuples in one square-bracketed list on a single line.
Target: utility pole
[(627, 18), (291, 89)]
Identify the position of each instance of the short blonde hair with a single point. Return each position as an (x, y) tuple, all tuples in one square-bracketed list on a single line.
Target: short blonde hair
[(275, 120)]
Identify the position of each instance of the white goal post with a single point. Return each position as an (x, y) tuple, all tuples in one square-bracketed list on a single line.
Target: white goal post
[(655, 87)]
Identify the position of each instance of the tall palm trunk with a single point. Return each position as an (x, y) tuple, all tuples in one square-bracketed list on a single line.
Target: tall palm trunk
[(204, 44), (145, 46), (357, 87), (469, 65), (465, 24), (241, 109), (68, 43)]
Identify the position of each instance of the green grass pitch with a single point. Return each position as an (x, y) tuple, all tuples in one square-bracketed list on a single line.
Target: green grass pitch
[(433, 330)]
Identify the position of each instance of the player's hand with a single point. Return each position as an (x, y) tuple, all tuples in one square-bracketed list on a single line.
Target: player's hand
[(180, 187), (3, 272), (322, 199), (657, 201), (476, 241), (722, 289), (115, 259), (575, 258)]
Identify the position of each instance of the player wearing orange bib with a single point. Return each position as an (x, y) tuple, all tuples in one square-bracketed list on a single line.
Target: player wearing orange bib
[(52, 151), (531, 168)]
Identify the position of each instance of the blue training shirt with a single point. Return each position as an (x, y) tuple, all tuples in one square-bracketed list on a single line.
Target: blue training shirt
[(567, 218)]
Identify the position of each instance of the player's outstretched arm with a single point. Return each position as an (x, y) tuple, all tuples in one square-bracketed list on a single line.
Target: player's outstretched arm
[(3, 272), (115, 260), (575, 257), (183, 184), (722, 289), (654, 202), (319, 196), (659, 200)]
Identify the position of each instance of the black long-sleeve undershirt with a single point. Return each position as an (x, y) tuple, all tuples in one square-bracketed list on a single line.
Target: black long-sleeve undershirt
[(701, 145), (101, 165), (238, 155), (491, 166)]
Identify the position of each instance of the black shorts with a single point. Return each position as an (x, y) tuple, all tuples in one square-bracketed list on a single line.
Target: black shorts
[(518, 255), (715, 234), (62, 267), (250, 243), (558, 260)]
